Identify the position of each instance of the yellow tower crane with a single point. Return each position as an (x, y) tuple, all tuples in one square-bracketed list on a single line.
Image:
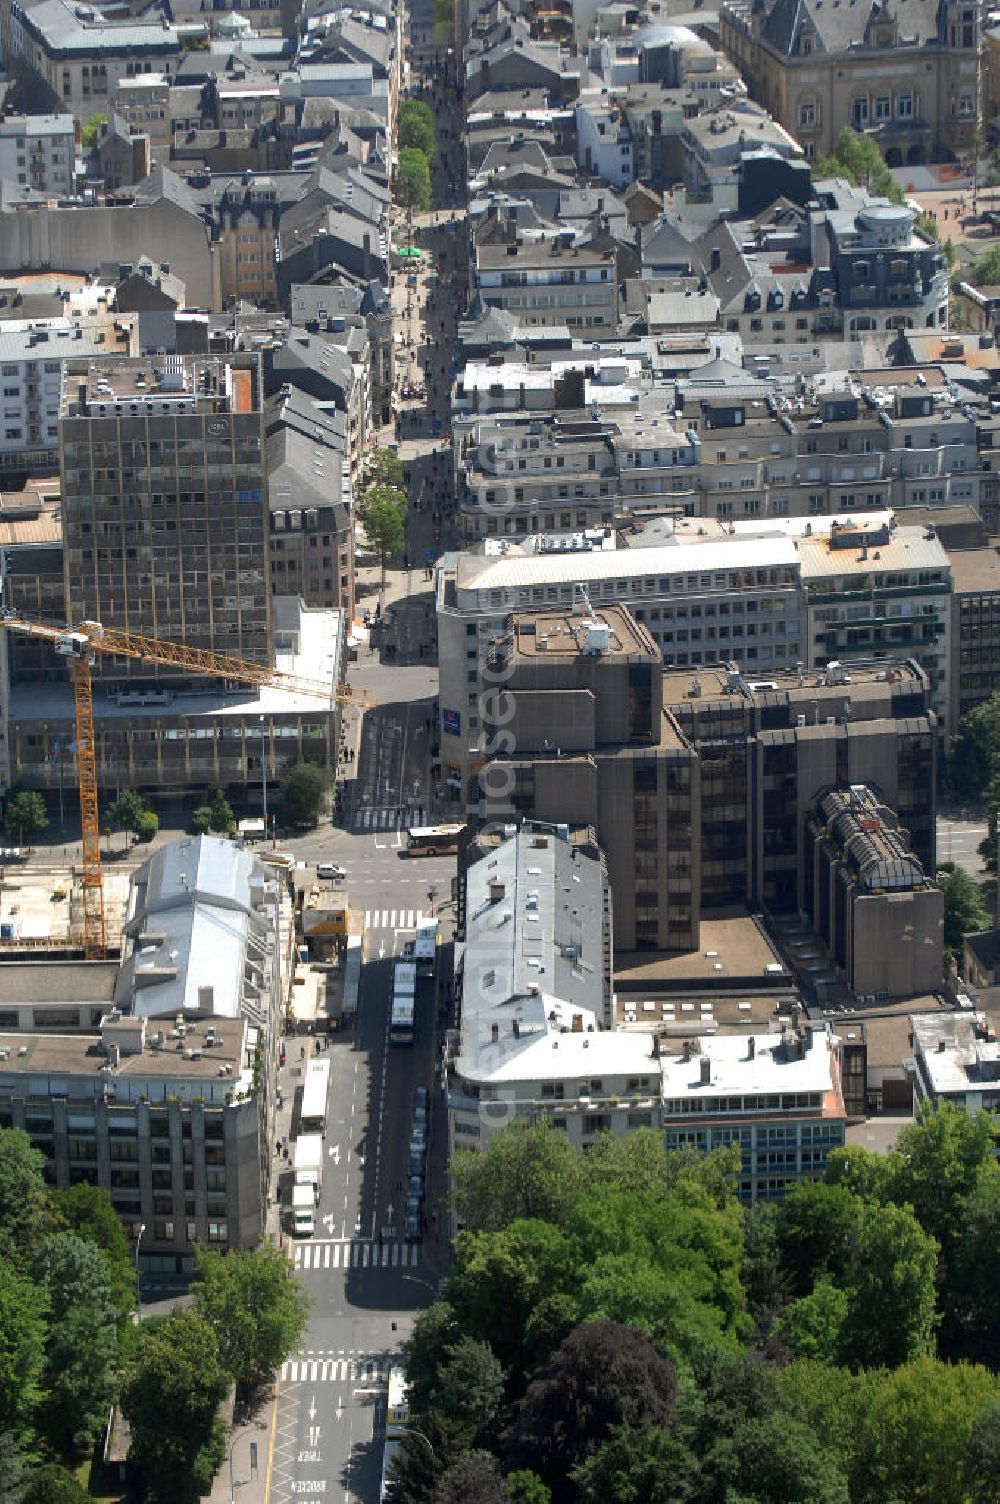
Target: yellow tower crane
[(81, 645)]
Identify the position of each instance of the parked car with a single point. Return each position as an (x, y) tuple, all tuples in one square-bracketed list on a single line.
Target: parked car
[(331, 872), (415, 1188), (422, 1098), (418, 1141), (420, 1118), (416, 1162), (413, 1230)]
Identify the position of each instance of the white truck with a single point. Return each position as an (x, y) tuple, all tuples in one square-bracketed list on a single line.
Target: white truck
[(303, 1211), (308, 1162)]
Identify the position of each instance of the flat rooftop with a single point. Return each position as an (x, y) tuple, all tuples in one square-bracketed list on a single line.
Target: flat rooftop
[(184, 383), (83, 1056), (731, 947), (772, 1066), (807, 686), (58, 981), (975, 570), (565, 634)]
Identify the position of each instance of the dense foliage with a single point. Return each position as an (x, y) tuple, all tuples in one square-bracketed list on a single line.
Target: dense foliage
[(618, 1330), (69, 1349)]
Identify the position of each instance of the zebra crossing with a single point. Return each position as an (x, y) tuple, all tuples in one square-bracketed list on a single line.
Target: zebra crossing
[(336, 1368), (392, 919), (389, 818), (355, 1253)]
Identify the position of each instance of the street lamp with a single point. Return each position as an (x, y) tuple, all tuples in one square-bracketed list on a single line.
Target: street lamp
[(431, 895), (138, 1284)]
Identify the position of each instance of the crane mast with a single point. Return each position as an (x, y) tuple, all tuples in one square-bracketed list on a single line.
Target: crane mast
[(81, 646)]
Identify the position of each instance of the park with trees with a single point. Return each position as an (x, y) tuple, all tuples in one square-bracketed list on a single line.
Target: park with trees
[(618, 1329), (71, 1346)]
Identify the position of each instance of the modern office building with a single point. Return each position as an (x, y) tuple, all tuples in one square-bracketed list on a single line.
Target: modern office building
[(167, 1100), (777, 1095), (956, 1059), (166, 523), (699, 785), (869, 898)]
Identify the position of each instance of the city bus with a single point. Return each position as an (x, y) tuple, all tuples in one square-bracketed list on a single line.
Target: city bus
[(432, 840), (312, 1118), (404, 993), (352, 977)]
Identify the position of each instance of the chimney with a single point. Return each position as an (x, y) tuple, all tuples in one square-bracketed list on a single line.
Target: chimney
[(206, 999), (497, 890), (495, 1033), (577, 1026), (751, 1048), (706, 1071)]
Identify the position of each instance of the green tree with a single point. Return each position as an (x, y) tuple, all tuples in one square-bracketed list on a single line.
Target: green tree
[(766, 1285), (778, 1460), (638, 1465), (172, 1388), (255, 1305), (475, 1476), (817, 1225), (525, 1487), (891, 1307), (435, 1330), (303, 792), (415, 127), (973, 761), (858, 159), (87, 1210), (413, 180), (82, 1343), (970, 1296), (938, 1162), (385, 469), (24, 1311), (201, 820), (427, 1451), (603, 1376), (127, 810), (149, 824), (24, 1202), (527, 1171), (470, 1384), (25, 816), (964, 910), (383, 515), (985, 271), (813, 1323), (91, 131), (53, 1484), (221, 820)]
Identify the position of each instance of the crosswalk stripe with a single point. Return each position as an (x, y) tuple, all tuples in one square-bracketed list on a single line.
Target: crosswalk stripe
[(395, 1255), (336, 1255), (326, 1257), (392, 920)]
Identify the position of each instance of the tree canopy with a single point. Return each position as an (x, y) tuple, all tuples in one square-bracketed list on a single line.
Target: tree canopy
[(413, 180), (858, 159), (303, 791), (254, 1305), (25, 816), (415, 127), (965, 911)]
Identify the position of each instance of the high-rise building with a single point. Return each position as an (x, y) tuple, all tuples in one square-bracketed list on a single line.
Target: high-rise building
[(165, 501)]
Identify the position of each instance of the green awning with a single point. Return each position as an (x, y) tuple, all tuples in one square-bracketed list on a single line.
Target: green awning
[(410, 252)]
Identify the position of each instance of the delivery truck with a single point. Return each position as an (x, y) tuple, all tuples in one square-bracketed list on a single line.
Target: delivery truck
[(303, 1211), (308, 1162)]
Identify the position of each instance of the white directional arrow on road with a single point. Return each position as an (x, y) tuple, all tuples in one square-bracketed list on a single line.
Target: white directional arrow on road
[(314, 1435), (340, 1408), (312, 1408), (381, 951), (334, 1152), (328, 1223)]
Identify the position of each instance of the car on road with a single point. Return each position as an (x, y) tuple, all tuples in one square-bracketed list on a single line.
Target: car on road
[(416, 1162), (415, 1190), (413, 1230), (331, 871), (418, 1141)]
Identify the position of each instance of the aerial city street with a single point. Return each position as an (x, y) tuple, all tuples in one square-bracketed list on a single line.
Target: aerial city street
[(499, 752)]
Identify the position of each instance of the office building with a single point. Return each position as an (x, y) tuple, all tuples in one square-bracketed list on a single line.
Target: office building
[(166, 520), (879, 913), (777, 1095), (956, 1059), (699, 786), (548, 283), (975, 628), (39, 151), (167, 1101), (32, 352)]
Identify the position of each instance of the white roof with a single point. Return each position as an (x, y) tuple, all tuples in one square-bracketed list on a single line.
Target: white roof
[(772, 1069), (966, 1061), (479, 574), (908, 548)]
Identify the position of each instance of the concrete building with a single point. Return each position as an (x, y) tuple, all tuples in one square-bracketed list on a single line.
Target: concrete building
[(167, 1100), (777, 1095), (908, 79), (714, 145), (166, 522), (39, 151), (869, 898), (699, 786), (32, 356), (74, 56), (975, 628), (956, 1059), (535, 1037), (546, 283), (603, 140)]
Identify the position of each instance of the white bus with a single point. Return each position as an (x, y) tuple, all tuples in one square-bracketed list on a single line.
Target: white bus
[(425, 944), (432, 840), (401, 1021), (352, 977), (312, 1119)]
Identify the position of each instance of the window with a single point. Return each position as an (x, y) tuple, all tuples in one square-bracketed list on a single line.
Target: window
[(859, 111), (807, 114), (883, 107), (904, 106)]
